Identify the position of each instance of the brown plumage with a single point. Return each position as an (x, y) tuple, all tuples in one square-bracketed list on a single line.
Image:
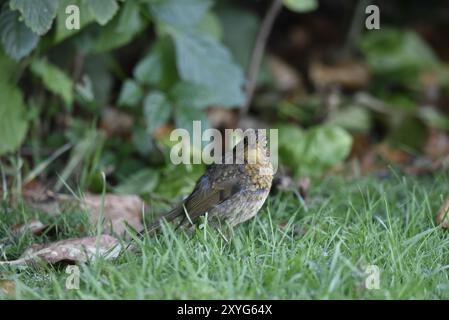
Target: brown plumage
[(230, 193)]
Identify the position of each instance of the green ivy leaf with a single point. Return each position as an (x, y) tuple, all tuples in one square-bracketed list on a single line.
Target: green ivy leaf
[(313, 151), (129, 20), (397, 54), (434, 118), (205, 61), (116, 33), (38, 15), (211, 26), (17, 39), (158, 68), (54, 79), (190, 95), (13, 122), (182, 13), (7, 66), (157, 110), (241, 44), (301, 5), (103, 10), (354, 118), (131, 94), (190, 99), (182, 179), (144, 181), (185, 115)]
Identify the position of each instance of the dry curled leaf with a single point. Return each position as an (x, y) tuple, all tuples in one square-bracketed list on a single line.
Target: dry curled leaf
[(71, 250), (443, 215), (33, 226), (392, 155), (348, 74), (118, 210)]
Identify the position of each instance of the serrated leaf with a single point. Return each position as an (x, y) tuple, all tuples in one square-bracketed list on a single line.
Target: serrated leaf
[(131, 94), (205, 61), (239, 43), (38, 15), (103, 10), (13, 122), (211, 26), (114, 35), (192, 95), (157, 110), (17, 39), (185, 116), (301, 5), (182, 13), (54, 79), (129, 20), (158, 68)]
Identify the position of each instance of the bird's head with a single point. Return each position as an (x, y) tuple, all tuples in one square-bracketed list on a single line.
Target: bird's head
[(255, 147)]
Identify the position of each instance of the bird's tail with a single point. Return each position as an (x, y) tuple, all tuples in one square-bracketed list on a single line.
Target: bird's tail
[(169, 216)]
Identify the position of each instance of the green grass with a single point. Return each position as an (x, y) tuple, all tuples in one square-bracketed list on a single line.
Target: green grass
[(347, 225)]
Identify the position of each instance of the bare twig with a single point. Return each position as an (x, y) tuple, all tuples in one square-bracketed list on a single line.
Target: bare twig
[(355, 29), (258, 51)]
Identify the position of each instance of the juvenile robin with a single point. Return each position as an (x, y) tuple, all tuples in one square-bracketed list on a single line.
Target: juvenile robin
[(231, 192)]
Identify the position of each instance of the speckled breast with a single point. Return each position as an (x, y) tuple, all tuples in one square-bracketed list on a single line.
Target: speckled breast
[(240, 207)]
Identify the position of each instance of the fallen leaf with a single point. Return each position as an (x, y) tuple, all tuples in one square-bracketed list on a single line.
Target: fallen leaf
[(443, 215), (348, 74), (118, 211), (33, 226), (116, 123), (437, 145), (70, 250), (222, 118), (46, 200), (304, 186), (163, 131), (393, 156), (7, 287), (285, 77)]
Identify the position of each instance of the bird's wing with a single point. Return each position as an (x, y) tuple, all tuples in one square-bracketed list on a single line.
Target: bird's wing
[(211, 189), (207, 196)]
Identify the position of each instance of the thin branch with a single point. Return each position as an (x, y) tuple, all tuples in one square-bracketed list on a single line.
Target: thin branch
[(355, 29), (258, 51)]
